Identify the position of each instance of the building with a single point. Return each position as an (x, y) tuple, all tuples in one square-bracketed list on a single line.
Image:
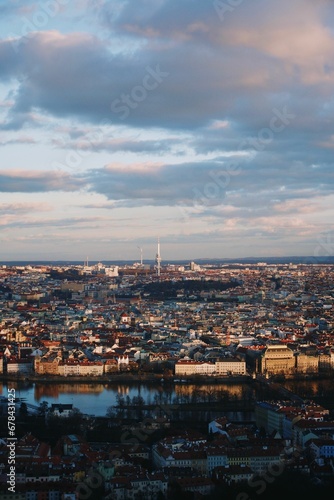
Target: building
[(230, 366), (306, 363), (225, 367), (61, 410), (277, 359)]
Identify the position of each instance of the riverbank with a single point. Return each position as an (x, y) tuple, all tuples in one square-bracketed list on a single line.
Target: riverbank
[(302, 376), (147, 378), (156, 378)]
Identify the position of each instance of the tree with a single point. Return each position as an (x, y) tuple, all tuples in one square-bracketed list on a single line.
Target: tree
[(75, 414), (43, 407), (23, 411), (111, 412), (120, 401)]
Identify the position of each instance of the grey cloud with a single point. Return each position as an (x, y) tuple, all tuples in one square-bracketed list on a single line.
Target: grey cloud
[(18, 140), (256, 206), (23, 208), (19, 8), (154, 184), (238, 182), (217, 75), (233, 182), (72, 222), (34, 182), (158, 18), (199, 85), (127, 145)]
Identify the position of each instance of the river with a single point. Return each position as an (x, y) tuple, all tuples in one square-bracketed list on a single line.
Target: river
[(96, 398)]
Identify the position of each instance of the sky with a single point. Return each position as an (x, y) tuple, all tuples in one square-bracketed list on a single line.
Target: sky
[(205, 123)]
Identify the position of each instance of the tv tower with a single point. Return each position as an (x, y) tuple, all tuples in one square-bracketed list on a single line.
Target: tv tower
[(158, 258), (141, 256)]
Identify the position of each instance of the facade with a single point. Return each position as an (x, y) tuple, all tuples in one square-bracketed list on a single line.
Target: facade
[(219, 368), (110, 366), (268, 417), (230, 367), (68, 368), (61, 410), (91, 368), (146, 485), (187, 367), (322, 448), (47, 366), (19, 366), (277, 359), (216, 457), (233, 474), (306, 363), (292, 423)]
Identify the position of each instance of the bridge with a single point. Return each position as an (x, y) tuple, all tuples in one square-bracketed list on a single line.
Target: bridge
[(286, 393)]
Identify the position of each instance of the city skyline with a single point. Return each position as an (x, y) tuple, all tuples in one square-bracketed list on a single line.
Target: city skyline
[(205, 124)]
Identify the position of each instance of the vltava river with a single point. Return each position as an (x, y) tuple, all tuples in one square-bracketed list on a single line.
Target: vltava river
[(95, 399)]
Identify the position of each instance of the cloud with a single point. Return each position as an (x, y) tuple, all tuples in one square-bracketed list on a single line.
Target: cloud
[(236, 182), (35, 182), (23, 208), (159, 147), (18, 8), (235, 71), (220, 82), (19, 140), (228, 119), (153, 183)]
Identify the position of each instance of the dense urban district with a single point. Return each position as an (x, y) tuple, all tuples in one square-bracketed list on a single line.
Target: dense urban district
[(257, 324)]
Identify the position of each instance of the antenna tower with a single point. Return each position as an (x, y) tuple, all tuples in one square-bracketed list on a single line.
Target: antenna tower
[(158, 259), (141, 255)]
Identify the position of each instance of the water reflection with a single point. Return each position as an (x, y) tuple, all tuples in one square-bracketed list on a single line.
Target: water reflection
[(54, 390), (121, 389), (95, 399), (44, 391), (311, 388), (232, 390)]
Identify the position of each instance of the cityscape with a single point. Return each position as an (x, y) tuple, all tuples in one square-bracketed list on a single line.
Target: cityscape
[(166, 249), (211, 366)]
